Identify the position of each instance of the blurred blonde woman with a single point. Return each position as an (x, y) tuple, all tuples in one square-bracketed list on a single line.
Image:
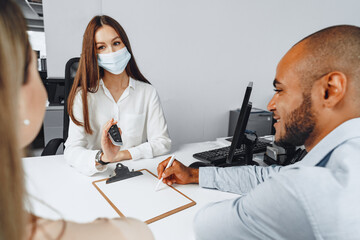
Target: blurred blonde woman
[(22, 108)]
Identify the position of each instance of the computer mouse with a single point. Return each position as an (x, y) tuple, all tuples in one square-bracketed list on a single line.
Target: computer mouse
[(199, 164)]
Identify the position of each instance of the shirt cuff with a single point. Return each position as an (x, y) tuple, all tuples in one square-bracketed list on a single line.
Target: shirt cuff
[(143, 150), (101, 168), (135, 153), (206, 177)]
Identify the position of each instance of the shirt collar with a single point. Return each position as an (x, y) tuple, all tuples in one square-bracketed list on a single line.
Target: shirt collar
[(132, 83), (101, 83), (345, 131)]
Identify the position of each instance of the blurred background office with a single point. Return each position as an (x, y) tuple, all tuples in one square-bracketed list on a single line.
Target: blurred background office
[(199, 54)]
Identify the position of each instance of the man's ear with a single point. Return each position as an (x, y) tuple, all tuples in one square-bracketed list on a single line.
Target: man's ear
[(333, 88)]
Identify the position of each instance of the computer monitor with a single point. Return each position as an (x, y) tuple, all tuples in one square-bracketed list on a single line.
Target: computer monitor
[(239, 133)]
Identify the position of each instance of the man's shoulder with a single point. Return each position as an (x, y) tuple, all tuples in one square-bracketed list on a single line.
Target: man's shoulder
[(306, 177)]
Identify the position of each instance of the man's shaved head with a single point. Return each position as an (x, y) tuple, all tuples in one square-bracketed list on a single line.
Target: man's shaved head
[(317, 86), (335, 48)]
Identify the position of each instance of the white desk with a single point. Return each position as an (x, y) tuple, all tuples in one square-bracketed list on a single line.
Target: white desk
[(73, 196)]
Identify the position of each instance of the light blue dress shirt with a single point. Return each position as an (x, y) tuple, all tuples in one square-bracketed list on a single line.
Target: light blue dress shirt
[(301, 201)]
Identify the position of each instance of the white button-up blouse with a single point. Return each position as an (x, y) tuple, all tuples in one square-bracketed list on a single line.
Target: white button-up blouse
[(140, 118)]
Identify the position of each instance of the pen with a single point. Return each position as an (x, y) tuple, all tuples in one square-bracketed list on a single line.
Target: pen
[(167, 166)]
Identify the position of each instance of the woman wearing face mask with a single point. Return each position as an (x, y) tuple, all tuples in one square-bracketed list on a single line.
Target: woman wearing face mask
[(110, 89), (22, 108)]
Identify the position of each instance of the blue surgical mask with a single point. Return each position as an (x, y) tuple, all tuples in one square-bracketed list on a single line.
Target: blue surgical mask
[(114, 62)]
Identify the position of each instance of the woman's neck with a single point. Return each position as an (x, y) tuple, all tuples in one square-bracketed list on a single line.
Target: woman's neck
[(116, 82)]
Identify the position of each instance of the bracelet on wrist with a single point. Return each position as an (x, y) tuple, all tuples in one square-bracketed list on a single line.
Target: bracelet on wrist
[(98, 156)]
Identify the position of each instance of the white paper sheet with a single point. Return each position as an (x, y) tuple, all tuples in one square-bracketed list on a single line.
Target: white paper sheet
[(136, 197)]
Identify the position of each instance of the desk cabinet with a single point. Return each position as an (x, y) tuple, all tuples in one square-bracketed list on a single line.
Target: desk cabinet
[(260, 121)]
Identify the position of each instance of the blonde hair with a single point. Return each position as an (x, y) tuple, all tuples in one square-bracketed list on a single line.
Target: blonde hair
[(14, 58)]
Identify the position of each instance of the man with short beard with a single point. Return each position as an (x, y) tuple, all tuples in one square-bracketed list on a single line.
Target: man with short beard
[(316, 104)]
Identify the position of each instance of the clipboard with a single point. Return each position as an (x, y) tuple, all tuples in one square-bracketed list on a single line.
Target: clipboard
[(135, 196)]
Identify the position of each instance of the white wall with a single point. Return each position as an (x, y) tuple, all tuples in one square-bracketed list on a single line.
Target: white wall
[(37, 41), (65, 22), (200, 54)]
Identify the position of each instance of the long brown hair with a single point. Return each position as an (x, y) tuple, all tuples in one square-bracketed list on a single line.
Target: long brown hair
[(14, 58), (89, 73)]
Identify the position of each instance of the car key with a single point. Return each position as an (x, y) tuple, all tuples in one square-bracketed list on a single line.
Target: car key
[(114, 135)]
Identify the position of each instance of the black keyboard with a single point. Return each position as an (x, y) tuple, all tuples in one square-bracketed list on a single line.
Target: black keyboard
[(219, 155)]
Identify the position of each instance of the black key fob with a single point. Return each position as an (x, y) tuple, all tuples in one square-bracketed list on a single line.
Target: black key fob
[(114, 135)]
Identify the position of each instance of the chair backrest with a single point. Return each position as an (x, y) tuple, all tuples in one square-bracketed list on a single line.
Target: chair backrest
[(70, 72)]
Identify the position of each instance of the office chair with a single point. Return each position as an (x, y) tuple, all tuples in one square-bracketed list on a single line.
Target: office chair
[(70, 72)]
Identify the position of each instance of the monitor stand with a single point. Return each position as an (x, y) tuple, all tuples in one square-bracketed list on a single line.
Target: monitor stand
[(248, 158), (249, 147)]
